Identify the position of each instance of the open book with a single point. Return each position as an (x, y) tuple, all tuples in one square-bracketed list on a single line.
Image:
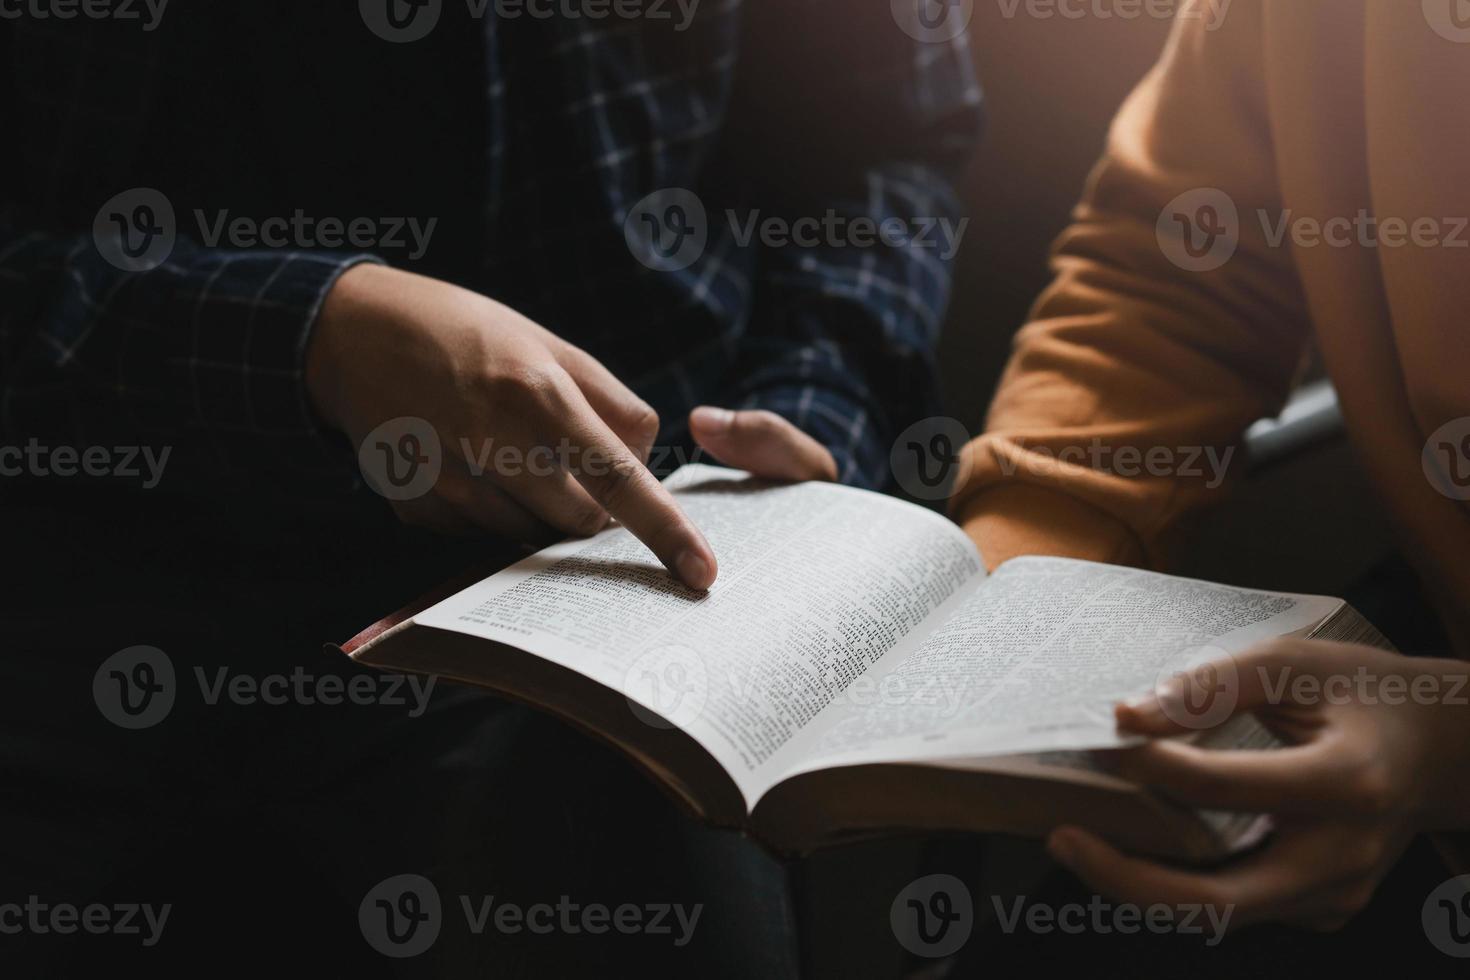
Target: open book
[(854, 671)]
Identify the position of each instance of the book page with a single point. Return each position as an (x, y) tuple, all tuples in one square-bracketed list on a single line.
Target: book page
[(1036, 657), (817, 582), (1238, 831)]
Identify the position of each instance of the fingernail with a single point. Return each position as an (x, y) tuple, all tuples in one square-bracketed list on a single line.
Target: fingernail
[(1138, 709), (1143, 702), (694, 570), (714, 419), (1062, 847)]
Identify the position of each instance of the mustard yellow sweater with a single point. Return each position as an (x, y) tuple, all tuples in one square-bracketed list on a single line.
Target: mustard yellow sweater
[(1300, 168)]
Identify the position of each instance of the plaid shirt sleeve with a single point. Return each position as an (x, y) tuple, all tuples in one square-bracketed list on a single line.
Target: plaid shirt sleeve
[(843, 334), (204, 349)]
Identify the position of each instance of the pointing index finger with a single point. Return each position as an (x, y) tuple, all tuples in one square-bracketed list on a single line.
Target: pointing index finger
[(625, 488)]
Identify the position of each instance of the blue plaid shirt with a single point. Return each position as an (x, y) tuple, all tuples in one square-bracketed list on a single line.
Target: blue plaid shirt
[(532, 140)]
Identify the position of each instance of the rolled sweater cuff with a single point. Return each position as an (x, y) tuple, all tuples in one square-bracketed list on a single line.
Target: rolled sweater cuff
[(1007, 521)]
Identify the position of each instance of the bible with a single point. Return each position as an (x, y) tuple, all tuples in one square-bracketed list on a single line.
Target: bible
[(855, 672)]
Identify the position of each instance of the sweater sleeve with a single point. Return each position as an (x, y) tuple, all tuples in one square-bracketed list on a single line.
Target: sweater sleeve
[(1172, 324)]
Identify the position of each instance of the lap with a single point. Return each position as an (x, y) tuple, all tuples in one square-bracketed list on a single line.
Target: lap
[(264, 825)]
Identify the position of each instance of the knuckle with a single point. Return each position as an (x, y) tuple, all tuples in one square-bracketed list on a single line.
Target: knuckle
[(764, 422), (621, 482), (644, 422), (523, 382), (496, 391), (1372, 789), (588, 520)]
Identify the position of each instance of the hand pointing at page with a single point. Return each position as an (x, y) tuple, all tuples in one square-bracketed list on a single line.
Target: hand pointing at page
[(390, 344)]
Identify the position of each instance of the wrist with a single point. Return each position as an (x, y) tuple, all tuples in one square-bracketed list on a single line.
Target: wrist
[(345, 305)]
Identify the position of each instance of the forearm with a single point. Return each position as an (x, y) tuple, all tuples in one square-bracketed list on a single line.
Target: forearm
[(206, 346), (1126, 397)]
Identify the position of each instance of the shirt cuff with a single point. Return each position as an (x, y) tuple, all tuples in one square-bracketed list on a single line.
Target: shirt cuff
[(251, 326)]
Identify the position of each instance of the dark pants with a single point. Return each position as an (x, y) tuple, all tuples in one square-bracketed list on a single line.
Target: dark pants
[(264, 827)]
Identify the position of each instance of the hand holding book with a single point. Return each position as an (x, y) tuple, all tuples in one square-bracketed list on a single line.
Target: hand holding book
[(1378, 745)]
